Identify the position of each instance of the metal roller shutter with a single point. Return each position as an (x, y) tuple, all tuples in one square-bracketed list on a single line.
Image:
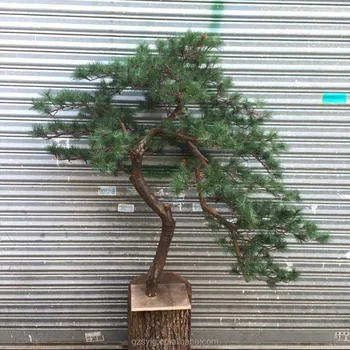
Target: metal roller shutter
[(67, 255)]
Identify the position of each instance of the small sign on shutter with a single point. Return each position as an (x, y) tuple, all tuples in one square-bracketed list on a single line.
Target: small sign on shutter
[(107, 190), (93, 337), (334, 98), (126, 208)]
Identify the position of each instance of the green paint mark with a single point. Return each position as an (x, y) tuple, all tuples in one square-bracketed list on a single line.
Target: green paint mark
[(334, 97), (217, 12)]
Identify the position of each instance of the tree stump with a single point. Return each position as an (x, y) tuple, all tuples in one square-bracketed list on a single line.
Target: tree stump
[(162, 322)]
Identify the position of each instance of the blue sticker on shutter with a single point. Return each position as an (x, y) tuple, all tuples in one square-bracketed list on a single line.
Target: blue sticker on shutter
[(334, 97)]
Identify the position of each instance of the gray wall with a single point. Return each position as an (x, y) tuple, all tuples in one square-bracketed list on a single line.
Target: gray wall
[(67, 255)]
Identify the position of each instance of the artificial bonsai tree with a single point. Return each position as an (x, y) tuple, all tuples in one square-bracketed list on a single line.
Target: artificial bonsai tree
[(201, 113)]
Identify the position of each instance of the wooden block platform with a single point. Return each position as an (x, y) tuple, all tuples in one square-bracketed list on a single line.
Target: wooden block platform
[(171, 296)]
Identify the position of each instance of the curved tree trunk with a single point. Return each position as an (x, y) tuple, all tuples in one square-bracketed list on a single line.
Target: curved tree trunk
[(158, 262), (162, 210)]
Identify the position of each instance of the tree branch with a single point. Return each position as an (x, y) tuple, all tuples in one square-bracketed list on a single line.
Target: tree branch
[(95, 77), (58, 134), (212, 212), (206, 208), (141, 186), (180, 106), (260, 160), (197, 153), (73, 158), (66, 107), (160, 132), (180, 135)]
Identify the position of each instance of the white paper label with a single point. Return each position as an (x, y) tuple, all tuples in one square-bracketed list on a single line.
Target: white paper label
[(92, 337), (107, 191), (126, 208), (342, 336)]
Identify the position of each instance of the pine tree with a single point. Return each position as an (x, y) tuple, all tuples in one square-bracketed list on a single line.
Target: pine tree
[(202, 113)]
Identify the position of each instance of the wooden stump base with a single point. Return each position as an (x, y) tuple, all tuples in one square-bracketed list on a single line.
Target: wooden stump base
[(162, 322)]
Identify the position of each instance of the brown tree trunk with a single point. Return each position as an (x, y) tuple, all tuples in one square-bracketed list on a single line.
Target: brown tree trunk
[(165, 326), (162, 210), (160, 330), (158, 263)]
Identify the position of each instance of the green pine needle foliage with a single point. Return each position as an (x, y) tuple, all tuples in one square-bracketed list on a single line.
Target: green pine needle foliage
[(181, 77)]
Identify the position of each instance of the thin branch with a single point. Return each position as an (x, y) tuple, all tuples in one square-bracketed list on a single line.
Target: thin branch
[(66, 107), (259, 159), (197, 153), (212, 212), (180, 106), (206, 208), (73, 158), (160, 132), (63, 133), (95, 77), (281, 229), (182, 136), (164, 106), (252, 114)]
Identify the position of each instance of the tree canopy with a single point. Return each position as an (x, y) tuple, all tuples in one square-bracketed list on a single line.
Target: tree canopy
[(202, 115)]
